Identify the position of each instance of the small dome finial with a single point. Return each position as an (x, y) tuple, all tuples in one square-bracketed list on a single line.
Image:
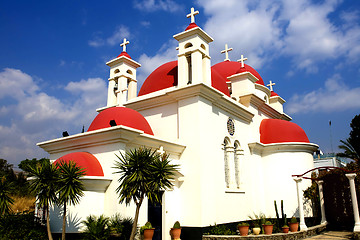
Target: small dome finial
[(124, 44), (226, 51), (192, 15)]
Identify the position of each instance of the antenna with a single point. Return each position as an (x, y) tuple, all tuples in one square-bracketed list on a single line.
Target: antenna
[(331, 144)]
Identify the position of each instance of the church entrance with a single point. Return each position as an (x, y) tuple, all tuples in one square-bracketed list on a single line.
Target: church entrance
[(155, 218)]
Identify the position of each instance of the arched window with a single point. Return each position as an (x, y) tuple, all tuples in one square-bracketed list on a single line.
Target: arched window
[(188, 45), (227, 159), (129, 72), (238, 152), (116, 71), (203, 46)]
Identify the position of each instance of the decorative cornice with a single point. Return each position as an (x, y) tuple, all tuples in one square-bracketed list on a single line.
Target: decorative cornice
[(202, 90), (193, 31), (123, 59), (260, 149), (106, 136)]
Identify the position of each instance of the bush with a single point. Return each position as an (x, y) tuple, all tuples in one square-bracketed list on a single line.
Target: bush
[(121, 226), (22, 226), (97, 228), (220, 230)]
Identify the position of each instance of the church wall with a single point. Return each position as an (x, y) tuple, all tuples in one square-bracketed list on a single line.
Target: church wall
[(279, 184), (163, 120)]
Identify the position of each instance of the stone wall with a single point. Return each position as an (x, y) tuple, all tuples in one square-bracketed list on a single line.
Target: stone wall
[(312, 231)]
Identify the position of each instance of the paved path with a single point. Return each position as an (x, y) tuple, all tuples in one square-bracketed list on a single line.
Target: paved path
[(334, 235)]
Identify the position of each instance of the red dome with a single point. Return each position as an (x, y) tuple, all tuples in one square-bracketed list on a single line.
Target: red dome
[(228, 68), (280, 131), (191, 25), (122, 116), (125, 54), (166, 75), (84, 160)]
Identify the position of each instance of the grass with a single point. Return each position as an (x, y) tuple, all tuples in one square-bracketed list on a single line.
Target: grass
[(22, 204)]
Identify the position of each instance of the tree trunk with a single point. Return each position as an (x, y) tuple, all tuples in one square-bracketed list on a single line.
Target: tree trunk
[(133, 231), (48, 223), (64, 223)]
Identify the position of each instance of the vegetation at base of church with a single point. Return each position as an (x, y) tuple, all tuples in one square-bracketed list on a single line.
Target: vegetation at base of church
[(5, 199), (143, 173), (351, 146), (24, 226), (220, 230), (243, 224), (97, 228), (102, 228), (279, 222), (146, 226), (293, 220), (177, 225)]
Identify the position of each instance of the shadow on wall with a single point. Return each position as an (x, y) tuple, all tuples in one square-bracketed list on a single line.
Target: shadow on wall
[(73, 222)]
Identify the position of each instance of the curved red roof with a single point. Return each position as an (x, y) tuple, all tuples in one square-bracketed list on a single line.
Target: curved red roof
[(84, 160), (273, 94), (228, 68), (166, 76), (281, 131), (191, 25), (125, 54), (122, 116)]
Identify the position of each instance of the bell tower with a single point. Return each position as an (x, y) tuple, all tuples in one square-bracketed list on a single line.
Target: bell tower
[(122, 82), (193, 59)]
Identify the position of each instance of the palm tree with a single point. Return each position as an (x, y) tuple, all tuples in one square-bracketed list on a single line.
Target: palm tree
[(71, 187), (351, 146), (5, 199), (143, 173), (44, 184)]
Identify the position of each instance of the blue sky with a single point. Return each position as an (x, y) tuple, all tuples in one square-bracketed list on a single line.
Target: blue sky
[(53, 74)]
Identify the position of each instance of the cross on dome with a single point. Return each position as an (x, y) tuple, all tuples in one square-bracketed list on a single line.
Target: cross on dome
[(242, 60), (192, 15), (226, 51), (124, 44), (271, 84)]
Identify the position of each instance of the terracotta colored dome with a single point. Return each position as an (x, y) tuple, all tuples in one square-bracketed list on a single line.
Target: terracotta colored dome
[(191, 25), (122, 116), (281, 131), (125, 54), (165, 76), (228, 68), (84, 160)]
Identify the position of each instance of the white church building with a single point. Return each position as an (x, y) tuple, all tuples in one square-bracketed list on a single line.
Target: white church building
[(236, 148)]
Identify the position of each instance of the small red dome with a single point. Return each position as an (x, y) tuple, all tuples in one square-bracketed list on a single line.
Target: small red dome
[(281, 131), (84, 160), (191, 25), (273, 94), (228, 68), (125, 54), (122, 116), (166, 76)]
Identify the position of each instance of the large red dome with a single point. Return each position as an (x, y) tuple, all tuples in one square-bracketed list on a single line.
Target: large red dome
[(228, 68), (122, 116), (281, 131), (84, 160), (165, 76)]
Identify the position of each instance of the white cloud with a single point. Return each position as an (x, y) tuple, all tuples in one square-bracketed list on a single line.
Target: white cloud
[(156, 5), (28, 115), (118, 35), (335, 96), (304, 30)]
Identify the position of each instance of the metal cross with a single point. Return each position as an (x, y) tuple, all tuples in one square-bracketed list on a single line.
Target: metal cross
[(192, 15), (226, 51), (124, 44), (242, 59), (271, 84)]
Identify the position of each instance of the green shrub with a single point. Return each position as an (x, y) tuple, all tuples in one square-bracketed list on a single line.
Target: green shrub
[(293, 220), (146, 226), (268, 223), (177, 225), (121, 226), (97, 228), (22, 226), (243, 224), (220, 230)]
